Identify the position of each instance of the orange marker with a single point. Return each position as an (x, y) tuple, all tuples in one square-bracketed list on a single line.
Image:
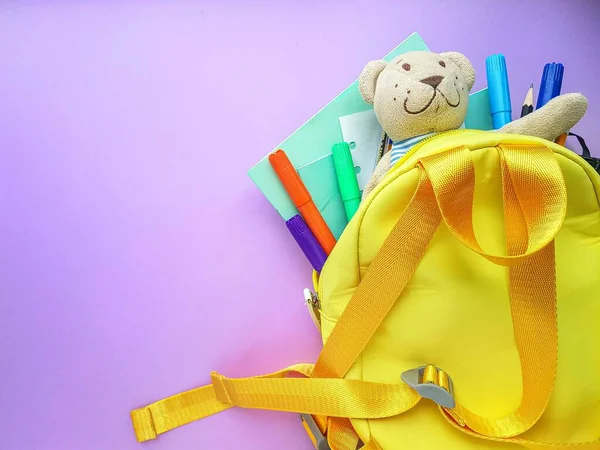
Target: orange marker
[(301, 198), (561, 140)]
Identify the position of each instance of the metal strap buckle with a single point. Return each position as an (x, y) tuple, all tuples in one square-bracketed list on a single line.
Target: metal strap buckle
[(314, 432), (432, 383)]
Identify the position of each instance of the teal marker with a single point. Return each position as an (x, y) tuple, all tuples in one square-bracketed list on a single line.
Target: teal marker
[(346, 176)]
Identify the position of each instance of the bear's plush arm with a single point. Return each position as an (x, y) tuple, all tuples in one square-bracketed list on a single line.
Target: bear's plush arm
[(556, 117)]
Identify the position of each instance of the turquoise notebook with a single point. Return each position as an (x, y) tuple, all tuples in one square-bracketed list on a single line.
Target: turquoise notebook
[(309, 149)]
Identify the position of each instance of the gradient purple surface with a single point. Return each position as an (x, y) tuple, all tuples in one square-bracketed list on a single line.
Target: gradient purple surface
[(136, 255)]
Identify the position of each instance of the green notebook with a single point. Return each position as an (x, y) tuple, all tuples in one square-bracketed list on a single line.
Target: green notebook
[(309, 149)]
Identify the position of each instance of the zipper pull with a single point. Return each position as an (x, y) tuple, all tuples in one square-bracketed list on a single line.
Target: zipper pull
[(314, 307)]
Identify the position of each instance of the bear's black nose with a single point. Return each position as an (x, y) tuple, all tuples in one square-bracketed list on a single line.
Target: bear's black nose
[(433, 81)]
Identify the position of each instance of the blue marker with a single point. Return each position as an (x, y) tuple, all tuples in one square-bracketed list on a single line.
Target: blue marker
[(551, 83), (499, 92)]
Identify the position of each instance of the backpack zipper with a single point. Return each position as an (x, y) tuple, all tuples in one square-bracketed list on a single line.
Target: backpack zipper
[(314, 306)]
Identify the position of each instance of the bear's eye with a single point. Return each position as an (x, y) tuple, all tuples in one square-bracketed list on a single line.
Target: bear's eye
[(406, 66), (442, 63)]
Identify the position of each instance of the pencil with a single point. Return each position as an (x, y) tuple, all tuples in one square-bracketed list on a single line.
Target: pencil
[(528, 103)]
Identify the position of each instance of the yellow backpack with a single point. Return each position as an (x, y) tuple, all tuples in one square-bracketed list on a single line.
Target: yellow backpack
[(459, 310)]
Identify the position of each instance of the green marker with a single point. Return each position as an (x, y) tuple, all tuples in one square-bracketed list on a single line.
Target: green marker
[(346, 176)]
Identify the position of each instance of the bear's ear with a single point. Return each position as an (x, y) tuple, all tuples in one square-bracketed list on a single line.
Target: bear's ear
[(463, 64), (368, 79)]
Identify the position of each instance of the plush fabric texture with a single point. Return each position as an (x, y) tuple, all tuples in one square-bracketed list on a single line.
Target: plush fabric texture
[(418, 92), (556, 117), (422, 92)]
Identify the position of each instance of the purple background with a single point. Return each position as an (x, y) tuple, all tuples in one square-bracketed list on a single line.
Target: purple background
[(136, 255)]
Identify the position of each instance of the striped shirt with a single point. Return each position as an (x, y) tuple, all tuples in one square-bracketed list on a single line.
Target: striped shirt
[(400, 148)]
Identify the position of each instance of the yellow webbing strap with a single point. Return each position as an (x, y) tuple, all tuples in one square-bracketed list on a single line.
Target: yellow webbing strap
[(385, 279), (534, 320), (172, 412), (525, 443), (536, 187), (532, 286), (341, 434), (181, 409), (332, 397), (326, 397), (534, 195)]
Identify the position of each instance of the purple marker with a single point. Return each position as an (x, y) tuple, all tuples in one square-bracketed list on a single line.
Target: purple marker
[(307, 241)]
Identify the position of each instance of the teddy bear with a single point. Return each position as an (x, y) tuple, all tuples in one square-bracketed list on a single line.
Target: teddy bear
[(419, 94)]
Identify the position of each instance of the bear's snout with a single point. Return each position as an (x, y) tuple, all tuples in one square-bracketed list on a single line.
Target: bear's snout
[(433, 81)]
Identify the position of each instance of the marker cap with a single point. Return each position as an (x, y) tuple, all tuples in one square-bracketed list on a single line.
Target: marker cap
[(307, 242), (551, 83), (289, 178), (498, 90), (344, 169)]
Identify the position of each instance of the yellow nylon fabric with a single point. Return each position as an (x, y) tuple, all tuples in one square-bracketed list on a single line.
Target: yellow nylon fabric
[(536, 175), (399, 256), (371, 445), (533, 304), (533, 213)]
